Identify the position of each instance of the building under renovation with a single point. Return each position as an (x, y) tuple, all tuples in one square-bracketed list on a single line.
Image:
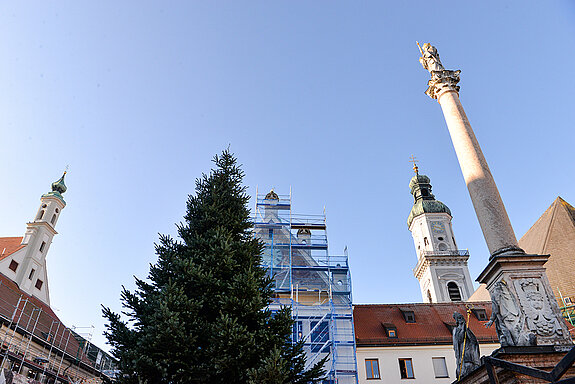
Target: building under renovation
[(35, 346), (314, 283)]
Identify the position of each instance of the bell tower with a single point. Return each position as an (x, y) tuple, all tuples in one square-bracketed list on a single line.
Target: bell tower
[(441, 268), (27, 268)]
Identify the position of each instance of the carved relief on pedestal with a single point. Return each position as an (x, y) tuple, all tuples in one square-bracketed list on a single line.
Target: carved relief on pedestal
[(508, 318), (540, 318)]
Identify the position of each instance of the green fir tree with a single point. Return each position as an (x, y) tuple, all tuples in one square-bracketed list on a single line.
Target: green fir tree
[(201, 316)]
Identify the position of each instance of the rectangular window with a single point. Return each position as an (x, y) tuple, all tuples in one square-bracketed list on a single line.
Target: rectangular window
[(391, 332), (319, 335), (42, 246), (439, 367), (13, 265), (39, 284), (408, 315), (31, 275), (406, 369), (297, 331), (480, 314), (372, 368)]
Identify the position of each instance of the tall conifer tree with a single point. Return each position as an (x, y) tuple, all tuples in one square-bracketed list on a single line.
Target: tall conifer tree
[(201, 315)]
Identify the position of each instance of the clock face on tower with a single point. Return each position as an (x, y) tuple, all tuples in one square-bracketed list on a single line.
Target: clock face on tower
[(437, 227)]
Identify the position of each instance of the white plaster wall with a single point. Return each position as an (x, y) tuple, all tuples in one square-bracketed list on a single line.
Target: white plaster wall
[(421, 358)]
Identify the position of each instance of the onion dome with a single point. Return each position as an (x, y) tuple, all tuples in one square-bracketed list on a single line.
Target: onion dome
[(272, 196), (424, 201), (58, 187)]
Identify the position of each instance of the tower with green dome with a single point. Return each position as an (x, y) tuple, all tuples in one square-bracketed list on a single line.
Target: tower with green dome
[(27, 265), (441, 267)]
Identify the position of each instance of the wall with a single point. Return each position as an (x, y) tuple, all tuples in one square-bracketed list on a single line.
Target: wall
[(421, 359)]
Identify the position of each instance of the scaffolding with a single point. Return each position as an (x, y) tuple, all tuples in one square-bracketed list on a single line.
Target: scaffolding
[(315, 284), (36, 345)]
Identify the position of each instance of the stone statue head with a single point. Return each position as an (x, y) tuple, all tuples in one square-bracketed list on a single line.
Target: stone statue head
[(459, 319)]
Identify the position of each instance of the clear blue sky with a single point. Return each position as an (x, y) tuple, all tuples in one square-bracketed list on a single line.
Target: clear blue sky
[(325, 97)]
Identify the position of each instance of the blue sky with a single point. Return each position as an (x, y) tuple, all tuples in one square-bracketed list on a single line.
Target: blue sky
[(325, 98)]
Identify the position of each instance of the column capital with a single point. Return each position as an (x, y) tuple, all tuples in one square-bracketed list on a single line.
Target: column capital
[(441, 82)]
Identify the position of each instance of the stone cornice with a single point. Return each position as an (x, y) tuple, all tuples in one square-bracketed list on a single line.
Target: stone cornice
[(449, 260)]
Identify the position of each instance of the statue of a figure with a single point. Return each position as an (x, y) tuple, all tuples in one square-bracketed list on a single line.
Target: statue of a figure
[(430, 58), (465, 346), (507, 318)]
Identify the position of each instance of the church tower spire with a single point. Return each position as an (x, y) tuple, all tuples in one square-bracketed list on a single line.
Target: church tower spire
[(441, 268), (27, 268)]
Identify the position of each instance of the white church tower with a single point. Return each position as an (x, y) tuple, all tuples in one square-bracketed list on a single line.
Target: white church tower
[(27, 266), (441, 268)]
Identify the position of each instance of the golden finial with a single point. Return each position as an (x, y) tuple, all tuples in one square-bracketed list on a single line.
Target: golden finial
[(413, 160)]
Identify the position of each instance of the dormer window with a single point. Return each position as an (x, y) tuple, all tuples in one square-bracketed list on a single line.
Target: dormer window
[(480, 314), (390, 330), (408, 315)]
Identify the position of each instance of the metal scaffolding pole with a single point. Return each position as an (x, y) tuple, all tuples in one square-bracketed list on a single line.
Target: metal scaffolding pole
[(30, 337), (63, 352), (15, 327), (51, 340)]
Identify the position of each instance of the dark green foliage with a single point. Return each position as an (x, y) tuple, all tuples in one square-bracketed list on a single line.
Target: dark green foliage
[(201, 316)]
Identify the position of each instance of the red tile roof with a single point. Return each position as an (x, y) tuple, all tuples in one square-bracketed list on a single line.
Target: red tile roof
[(32, 316), (431, 325), (9, 245)]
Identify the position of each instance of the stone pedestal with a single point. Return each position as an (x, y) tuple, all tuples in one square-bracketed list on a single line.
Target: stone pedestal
[(522, 294), (520, 365)]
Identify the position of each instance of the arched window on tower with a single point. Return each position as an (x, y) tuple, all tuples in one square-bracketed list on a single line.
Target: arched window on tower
[(453, 290), (53, 221), (41, 212), (425, 241)]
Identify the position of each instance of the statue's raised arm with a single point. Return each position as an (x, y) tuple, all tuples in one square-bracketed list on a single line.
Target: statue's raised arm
[(430, 58)]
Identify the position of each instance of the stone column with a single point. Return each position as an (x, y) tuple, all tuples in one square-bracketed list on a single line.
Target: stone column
[(525, 312), (489, 208), (487, 202)]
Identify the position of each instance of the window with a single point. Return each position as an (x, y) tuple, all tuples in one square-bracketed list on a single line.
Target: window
[(13, 265), (425, 241), (480, 314), (53, 219), (406, 369), (567, 301), (453, 290), (408, 315), (439, 367), (429, 296), (39, 284), (297, 330), (372, 368), (319, 335), (392, 332), (42, 246), (31, 275)]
